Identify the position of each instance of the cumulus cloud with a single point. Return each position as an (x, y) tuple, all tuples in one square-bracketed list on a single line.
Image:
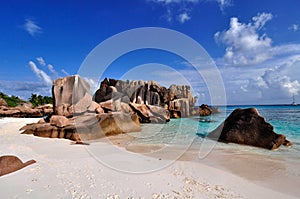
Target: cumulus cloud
[(31, 27), (272, 82), (244, 44), (40, 73), (183, 17), (261, 19), (294, 27)]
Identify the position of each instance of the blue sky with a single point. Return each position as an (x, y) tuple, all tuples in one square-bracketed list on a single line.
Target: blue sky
[(255, 44)]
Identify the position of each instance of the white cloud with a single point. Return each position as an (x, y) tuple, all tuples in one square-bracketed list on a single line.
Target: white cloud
[(179, 9), (261, 19), (273, 83), (24, 89), (50, 67), (244, 44), (31, 27), (294, 27), (40, 73), (41, 61), (224, 3), (183, 17), (65, 72), (52, 70)]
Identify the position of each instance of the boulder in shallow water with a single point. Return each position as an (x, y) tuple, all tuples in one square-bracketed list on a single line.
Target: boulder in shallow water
[(246, 126), (204, 110)]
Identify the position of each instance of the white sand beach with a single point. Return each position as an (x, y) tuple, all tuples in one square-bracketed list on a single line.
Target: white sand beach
[(65, 170)]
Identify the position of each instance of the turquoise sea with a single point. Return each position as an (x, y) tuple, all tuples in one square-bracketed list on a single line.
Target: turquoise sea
[(284, 118)]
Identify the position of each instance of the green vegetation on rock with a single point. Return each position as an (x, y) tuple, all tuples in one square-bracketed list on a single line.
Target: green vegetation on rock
[(11, 101), (37, 100)]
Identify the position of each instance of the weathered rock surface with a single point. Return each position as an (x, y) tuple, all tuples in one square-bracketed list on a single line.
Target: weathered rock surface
[(9, 164), (117, 107), (76, 116), (205, 110), (3, 102), (26, 110), (150, 114), (85, 127), (180, 106), (50, 131), (64, 95), (60, 121), (177, 99), (246, 126)]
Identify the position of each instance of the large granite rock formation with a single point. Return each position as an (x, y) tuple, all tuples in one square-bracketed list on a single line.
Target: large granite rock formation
[(67, 92), (117, 107), (77, 117), (246, 126), (177, 99)]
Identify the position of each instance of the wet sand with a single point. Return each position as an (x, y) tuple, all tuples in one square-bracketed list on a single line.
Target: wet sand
[(269, 171)]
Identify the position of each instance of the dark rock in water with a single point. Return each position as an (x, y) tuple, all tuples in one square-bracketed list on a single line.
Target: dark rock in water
[(175, 114), (246, 126), (9, 164), (204, 110)]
